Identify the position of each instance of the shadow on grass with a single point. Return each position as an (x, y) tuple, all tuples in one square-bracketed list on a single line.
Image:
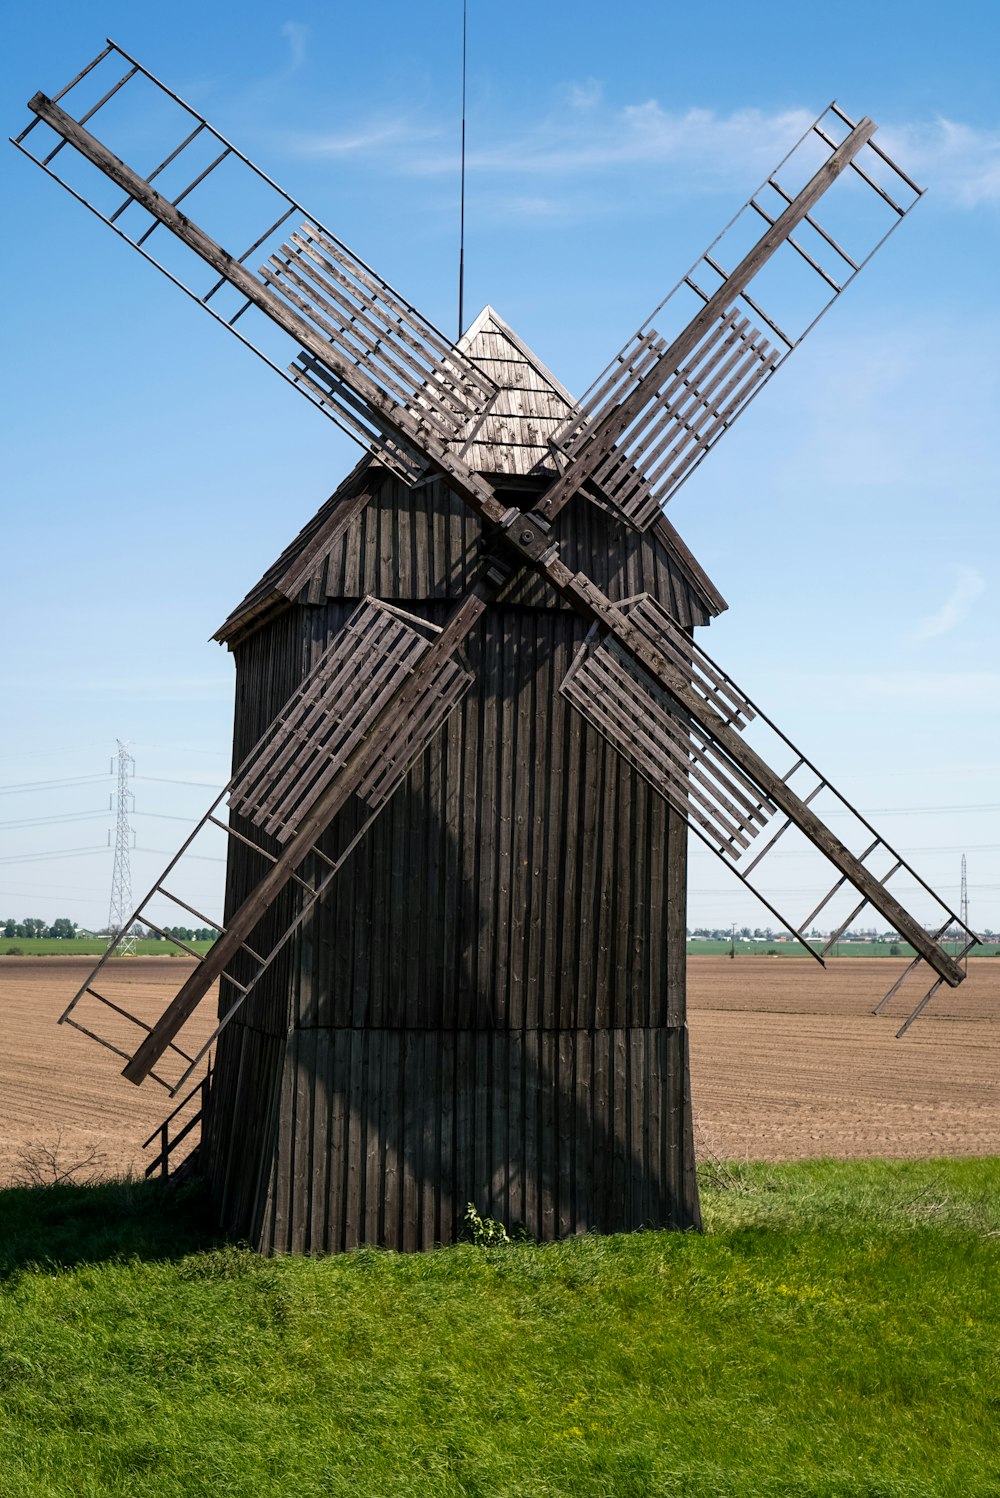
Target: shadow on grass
[(59, 1226)]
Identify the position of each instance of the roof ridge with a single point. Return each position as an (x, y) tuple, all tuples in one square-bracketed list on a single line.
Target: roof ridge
[(490, 314)]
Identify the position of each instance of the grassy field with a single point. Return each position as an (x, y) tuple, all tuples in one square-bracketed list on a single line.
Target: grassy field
[(85, 946), (834, 1333), (44, 946), (699, 947)]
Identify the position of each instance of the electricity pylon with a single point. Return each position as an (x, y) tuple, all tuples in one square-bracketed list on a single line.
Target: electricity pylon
[(963, 908), (121, 878)]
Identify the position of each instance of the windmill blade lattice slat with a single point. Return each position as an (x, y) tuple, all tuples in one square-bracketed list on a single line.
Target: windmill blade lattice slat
[(374, 328), (661, 740), (693, 407), (314, 736), (648, 420)]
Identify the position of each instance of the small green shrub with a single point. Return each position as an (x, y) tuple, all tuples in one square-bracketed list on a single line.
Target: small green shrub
[(485, 1232)]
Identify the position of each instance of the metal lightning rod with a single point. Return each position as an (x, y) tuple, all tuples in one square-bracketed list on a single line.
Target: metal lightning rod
[(461, 211)]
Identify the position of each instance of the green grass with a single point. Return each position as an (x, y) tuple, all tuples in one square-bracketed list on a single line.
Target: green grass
[(834, 1333), (86, 946), (702, 947), (45, 946)]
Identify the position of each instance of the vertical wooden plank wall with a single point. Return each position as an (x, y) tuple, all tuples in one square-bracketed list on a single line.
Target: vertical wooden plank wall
[(490, 1005)]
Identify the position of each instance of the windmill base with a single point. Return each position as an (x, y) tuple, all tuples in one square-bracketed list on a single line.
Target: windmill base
[(383, 1137)]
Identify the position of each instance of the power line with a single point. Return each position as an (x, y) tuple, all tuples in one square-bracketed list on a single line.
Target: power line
[(83, 816), (17, 787), (52, 853), (47, 785), (57, 819), (201, 857), (164, 816), (205, 785)]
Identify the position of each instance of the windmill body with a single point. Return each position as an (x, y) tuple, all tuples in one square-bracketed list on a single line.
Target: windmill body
[(473, 726), (489, 1006)]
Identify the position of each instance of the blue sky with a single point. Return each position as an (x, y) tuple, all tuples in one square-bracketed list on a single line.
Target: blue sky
[(153, 469)]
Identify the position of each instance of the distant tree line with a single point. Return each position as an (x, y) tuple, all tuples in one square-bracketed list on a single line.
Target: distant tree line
[(62, 930), (66, 930), (182, 933), (744, 933)]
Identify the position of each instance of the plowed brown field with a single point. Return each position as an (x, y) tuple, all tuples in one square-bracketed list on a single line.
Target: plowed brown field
[(788, 1062), (60, 1090)]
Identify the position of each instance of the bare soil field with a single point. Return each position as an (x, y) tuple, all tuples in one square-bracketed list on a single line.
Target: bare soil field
[(848, 985), (61, 1091), (787, 1061)]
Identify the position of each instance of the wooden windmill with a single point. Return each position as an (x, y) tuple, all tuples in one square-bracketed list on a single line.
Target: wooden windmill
[(473, 727)]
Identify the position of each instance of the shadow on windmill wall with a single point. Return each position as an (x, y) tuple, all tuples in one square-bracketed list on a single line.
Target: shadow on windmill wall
[(489, 1005), (391, 1100), (389, 1133)]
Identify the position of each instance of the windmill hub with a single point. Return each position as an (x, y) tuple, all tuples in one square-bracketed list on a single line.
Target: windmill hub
[(530, 536)]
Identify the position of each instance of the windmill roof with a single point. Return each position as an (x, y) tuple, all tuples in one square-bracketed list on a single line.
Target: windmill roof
[(514, 438), (512, 442)]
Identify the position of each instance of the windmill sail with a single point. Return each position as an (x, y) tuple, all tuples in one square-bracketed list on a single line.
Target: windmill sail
[(666, 398), (320, 733), (344, 338), (720, 792)]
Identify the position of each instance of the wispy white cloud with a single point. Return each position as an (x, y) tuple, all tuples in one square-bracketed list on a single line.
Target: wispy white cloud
[(396, 135), (969, 585), (580, 134), (591, 137), (587, 133), (586, 95), (295, 35), (532, 206), (961, 162), (584, 135)]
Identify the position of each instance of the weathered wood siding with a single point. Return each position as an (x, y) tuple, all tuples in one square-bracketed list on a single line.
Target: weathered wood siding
[(517, 879), (411, 545), (489, 1005), (383, 1135), (355, 1136)]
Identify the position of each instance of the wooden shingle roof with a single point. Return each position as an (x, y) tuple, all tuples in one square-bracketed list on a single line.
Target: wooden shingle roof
[(513, 439)]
